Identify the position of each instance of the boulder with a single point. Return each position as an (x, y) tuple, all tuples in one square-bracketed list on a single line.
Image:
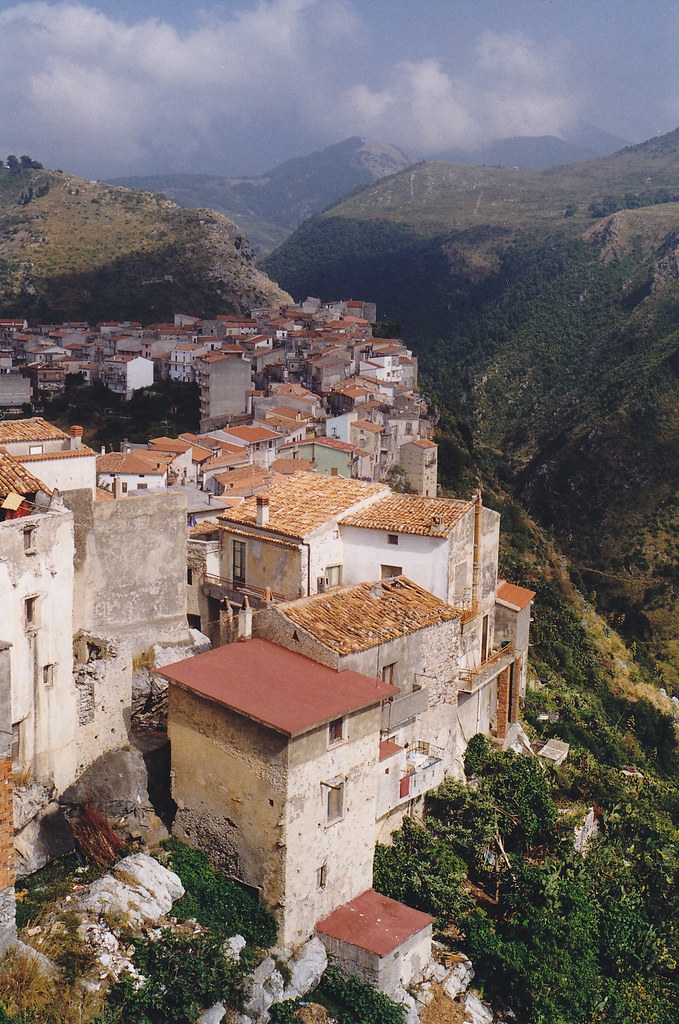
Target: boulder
[(459, 977), (140, 891), (479, 1012), (45, 837), (307, 966)]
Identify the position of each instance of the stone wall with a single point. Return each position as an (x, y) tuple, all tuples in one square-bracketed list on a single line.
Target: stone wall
[(130, 564)]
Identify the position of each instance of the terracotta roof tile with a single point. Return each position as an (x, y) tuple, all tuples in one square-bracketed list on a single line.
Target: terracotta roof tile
[(410, 513), (14, 477), (364, 615), (516, 597), (128, 462), (35, 429), (69, 453), (300, 504)]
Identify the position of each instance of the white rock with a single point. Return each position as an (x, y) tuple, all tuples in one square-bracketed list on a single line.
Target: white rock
[(412, 1015), (459, 978), (233, 946), (214, 1015), (307, 967), (142, 891), (478, 1011)]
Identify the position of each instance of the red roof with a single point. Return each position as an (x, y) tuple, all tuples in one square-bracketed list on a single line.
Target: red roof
[(374, 922), (279, 688), (517, 597), (388, 748)]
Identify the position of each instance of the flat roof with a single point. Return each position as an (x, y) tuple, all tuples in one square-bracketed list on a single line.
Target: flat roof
[(374, 922), (276, 687)]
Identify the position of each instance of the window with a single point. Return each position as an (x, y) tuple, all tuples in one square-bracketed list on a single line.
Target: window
[(321, 876), (333, 574), (142, 487), (30, 612), (35, 449), (336, 731), (388, 571), (29, 540), (189, 577), (484, 638), (392, 538), (388, 673), (48, 675), (124, 487), (335, 803), (239, 561)]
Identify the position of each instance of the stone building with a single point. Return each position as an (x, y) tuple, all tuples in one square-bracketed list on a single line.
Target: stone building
[(274, 760), (397, 632)]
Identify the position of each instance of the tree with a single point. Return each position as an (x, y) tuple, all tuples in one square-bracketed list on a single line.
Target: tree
[(13, 164)]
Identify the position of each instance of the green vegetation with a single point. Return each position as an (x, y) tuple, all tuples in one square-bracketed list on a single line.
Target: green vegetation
[(543, 309), (166, 409), (219, 904), (353, 1002), (83, 250)]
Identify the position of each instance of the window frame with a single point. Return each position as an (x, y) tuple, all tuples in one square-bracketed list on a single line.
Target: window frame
[(238, 562)]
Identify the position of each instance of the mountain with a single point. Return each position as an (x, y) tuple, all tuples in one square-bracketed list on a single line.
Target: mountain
[(72, 249), (269, 207), (545, 307), (537, 153)]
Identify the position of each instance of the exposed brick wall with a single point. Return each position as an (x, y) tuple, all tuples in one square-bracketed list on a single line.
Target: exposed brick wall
[(516, 691), (502, 704), (6, 824)]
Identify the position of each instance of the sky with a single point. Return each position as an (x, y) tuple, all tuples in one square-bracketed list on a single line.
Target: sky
[(105, 88)]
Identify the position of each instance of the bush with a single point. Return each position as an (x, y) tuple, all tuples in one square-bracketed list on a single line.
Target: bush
[(358, 1003), (215, 901)]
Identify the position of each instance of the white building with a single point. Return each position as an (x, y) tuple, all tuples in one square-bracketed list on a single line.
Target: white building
[(126, 374)]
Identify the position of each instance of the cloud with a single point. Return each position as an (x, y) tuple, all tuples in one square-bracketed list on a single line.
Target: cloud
[(88, 91), (509, 88), (99, 95)]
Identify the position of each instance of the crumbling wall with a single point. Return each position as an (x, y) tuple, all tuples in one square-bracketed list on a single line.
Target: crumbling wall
[(102, 673), (130, 579)]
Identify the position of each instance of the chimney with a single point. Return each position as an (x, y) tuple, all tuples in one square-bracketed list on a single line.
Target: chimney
[(245, 621), (117, 487), (262, 510), (76, 434)]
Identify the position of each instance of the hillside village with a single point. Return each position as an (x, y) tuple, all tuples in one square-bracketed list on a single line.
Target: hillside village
[(318, 646)]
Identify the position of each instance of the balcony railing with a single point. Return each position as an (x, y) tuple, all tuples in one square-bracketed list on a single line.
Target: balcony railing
[(221, 586), (424, 770), (472, 680)]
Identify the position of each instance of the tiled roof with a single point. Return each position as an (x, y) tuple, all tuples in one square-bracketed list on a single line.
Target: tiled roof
[(16, 478), (168, 444), (516, 597), (251, 434), (365, 615), (35, 429), (300, 504), (374, 922), (288, 466), (422, 442), (410, 513), (276, 687), (70, 453), (128, 462)]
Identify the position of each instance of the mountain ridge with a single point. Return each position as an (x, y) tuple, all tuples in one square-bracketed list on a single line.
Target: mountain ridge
[(551, 328)]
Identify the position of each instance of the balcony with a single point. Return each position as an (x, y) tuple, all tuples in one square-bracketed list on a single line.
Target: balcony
[(222, 588), (403, 709), (424, 770), (473, 680)]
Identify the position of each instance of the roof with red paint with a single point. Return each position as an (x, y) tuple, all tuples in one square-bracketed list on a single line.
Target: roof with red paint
[(374, 922), (515, 597), (276, 687)]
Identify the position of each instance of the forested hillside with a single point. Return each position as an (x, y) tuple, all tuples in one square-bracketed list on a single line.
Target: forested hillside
[(544, 306)]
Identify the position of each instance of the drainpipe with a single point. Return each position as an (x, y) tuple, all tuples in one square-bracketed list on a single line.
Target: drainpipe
[(476, 563), (308, 567)]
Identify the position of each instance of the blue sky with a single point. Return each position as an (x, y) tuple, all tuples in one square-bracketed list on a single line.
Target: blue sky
[(107, 88)]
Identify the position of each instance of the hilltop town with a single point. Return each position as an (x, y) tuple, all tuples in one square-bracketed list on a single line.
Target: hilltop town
[(318, 646)]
